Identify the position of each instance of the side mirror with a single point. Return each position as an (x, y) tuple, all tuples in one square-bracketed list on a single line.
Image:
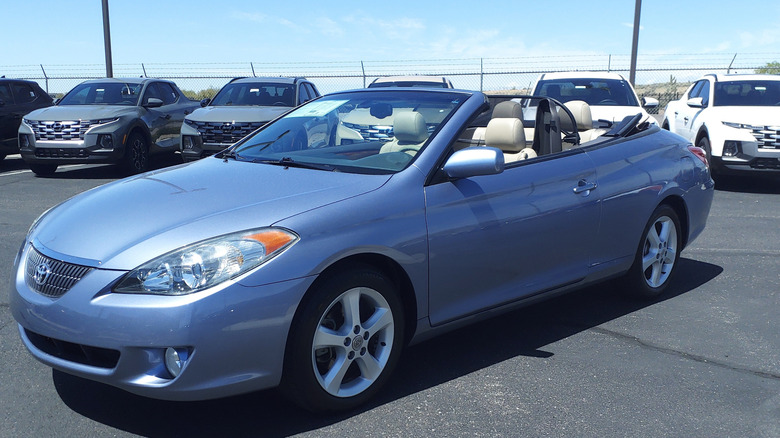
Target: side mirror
[(205, 102), (696, 102), (649, 102), (153, 102), (474, 161)]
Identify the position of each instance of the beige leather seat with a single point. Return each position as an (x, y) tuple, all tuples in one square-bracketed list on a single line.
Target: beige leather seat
[(508, 109), (583, 119), (410, 133), (508, 135)]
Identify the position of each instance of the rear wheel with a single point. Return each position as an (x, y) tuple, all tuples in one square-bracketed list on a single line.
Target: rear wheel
[(43, 169), (345, 342), (136, 158), (657, 255)]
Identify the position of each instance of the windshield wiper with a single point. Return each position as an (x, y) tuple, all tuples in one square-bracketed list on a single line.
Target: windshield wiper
[(289, 162)]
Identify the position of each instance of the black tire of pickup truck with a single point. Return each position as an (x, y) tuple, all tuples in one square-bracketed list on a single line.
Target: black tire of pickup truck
[(136, 159)]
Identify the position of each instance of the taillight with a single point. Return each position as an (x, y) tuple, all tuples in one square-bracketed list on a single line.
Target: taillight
[(700, 153)]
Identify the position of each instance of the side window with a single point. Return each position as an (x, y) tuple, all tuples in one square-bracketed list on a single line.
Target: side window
[(169, 95), (303, 94), (705, 93), (312, 90), (24, 93), (151, 91), (696, 90), (5, 94)]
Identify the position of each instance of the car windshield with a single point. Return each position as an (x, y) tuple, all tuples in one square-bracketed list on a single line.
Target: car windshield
[(358, 132), (607, 92), (103, 93), (747, 93), (255, 94)]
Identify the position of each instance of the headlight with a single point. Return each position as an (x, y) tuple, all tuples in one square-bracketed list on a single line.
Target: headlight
[(738, 125), (104, 121), (206, 264)]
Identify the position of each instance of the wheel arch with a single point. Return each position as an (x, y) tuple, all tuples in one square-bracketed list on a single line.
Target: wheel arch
[(386, 266), (141, 128), (701, 134), (677, 204)]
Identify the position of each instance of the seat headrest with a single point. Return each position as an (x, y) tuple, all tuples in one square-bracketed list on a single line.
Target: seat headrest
[(409, 127), (582, 116), (505, 134), (508, 110)]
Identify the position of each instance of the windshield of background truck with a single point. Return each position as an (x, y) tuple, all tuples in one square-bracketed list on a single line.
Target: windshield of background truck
[(255, 94), (747, 93), (109, 93), (605, 92)]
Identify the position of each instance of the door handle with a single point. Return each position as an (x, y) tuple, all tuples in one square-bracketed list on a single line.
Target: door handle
[(584, 187), (686, 119), (675, 113), (167, 117)]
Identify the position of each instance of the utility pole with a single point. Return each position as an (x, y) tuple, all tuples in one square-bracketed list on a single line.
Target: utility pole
[(635, 43), (107, 41)]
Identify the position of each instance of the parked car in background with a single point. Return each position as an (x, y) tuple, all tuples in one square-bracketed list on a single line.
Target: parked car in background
[(311, 264), (17, 98), (117, 121), (735, 118), (240, 107), (411, 81), (609, 95)]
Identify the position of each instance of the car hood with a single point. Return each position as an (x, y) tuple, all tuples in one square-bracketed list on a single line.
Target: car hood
[(81, 112), (126, 223), (749, 115), (237, 113)]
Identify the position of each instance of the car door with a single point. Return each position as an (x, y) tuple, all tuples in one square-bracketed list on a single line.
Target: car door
[(499, 238), (9, 119), (685, 116), (164, 121)]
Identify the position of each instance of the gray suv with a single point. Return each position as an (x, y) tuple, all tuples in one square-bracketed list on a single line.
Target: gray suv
[(241, 106), (17, 98), (121, 121)]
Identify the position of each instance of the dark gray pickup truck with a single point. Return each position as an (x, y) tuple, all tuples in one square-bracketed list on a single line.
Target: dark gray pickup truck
[(118, 121)]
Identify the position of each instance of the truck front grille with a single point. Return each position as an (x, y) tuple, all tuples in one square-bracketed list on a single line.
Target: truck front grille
[(768, 137), (224, 133)]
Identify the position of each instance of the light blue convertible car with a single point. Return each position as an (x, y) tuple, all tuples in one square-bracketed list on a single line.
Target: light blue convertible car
[(310, 253)]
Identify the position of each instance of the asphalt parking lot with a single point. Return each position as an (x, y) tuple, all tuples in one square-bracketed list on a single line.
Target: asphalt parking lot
[(701, 361)]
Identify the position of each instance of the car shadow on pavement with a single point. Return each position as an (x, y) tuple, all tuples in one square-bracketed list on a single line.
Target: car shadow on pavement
[(758, 184), (423, 366), (92, 171)]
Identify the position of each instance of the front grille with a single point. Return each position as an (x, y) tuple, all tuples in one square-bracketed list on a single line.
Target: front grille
[(765, 163), (225, 133), (50, 277), (768, 137), (60, 130), (83, 354), (61, 153)]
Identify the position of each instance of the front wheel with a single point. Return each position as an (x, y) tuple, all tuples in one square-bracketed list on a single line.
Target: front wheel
[(136, 158), (657, 255), (345, 341), (704, 143)]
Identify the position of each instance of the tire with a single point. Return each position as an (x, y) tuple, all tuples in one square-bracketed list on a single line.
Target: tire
[(704, 143), (338, 358), (136, 159), (43, 169), (657, 255)]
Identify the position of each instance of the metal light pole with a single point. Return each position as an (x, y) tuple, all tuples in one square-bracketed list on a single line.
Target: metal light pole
[(107, 41), (635, 43)]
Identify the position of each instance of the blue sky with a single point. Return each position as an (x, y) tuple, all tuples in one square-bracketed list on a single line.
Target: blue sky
[(70, 32)]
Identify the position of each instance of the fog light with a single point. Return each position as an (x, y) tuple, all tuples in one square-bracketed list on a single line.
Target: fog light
[(174, 360), (105, 141), (187, 142), (24, 141), (731, 148)]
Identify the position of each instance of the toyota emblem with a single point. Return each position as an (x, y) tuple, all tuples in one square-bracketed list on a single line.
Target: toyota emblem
[(42, 272)]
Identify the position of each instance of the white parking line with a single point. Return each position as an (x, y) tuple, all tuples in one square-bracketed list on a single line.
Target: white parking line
[(69, 166)]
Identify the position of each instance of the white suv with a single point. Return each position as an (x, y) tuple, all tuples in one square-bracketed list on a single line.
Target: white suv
[(609, 95), (735, 118)]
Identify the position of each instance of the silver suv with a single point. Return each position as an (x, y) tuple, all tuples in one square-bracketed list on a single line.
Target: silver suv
[(121, 121), (241, 106)]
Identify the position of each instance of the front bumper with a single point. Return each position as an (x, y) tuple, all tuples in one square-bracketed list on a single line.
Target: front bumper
[(233, 337), (78, 151)]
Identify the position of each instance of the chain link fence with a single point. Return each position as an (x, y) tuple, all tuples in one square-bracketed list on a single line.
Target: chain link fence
[(662, 76)]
